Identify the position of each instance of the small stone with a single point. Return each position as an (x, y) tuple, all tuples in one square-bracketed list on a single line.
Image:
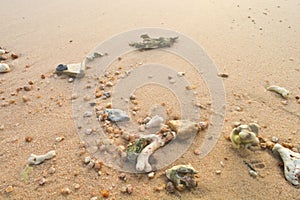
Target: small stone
[(132, 97), (197, 151), (223, 75), (27, 88), (129, 188), (218, 172), (151, 175), (123, 189), (109, 84), (25, 98), (87, 98), (1, 127), (76, 186), (65, 191), (51, 170), (236, 124), (170, 187), (180, 74), (274, 139), (222, 164), (59, 139), (239, 109), (94, 198), (74, 96), (28, 139), (42, 181), (43, 76), (30, 82), (14, 56), (104, 193), (87, 160), (284, 102), (122, 176), (91, 164), (9, 189), (253, 173), (70, 80)]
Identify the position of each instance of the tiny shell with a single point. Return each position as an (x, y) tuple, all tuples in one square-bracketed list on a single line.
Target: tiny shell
[(280, 90), (4, 68)]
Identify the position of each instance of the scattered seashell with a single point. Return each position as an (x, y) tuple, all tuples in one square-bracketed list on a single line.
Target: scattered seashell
[(291, 162), (116, 115), (38, 159), (280, 90), (182, 176), (245, 135), (4, 68)]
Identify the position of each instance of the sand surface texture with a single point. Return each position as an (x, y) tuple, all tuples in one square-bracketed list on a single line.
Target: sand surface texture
[(256, 43)]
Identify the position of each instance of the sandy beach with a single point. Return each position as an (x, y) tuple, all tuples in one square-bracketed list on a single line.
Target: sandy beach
[(254, 43)]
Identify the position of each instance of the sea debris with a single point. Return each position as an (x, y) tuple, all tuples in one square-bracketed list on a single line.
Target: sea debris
[(182, 176), (245, 135), (155, 121), (279, 90), (38, 159), (291, 161), (4, 68), (116, 115), (157, 140), (72, 70), (95, 55), (153, 43), (135, 148)]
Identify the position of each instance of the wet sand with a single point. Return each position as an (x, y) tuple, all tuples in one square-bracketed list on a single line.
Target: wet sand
[(254, 42)]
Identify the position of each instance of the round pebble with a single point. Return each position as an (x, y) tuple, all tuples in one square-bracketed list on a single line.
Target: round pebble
[(218, 172), (197, 151), (151, 175), (274, 139)]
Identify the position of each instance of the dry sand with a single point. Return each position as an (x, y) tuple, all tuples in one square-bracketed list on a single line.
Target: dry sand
[(253, 41)]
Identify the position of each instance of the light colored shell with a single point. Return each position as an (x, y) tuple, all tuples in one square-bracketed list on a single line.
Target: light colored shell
[(4, 68), (279, 90)]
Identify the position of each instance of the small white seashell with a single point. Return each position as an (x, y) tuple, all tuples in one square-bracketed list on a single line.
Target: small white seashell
[(4, 68)]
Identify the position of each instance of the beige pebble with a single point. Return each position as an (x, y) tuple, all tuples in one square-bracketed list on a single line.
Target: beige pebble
[(9, 189), (25, 98), (76, 186), (66, 191), (218, 172), (197, 151), (1, 127)]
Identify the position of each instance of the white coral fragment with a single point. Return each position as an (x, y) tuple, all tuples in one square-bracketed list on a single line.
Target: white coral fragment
[(291, 162), (38, 159)]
